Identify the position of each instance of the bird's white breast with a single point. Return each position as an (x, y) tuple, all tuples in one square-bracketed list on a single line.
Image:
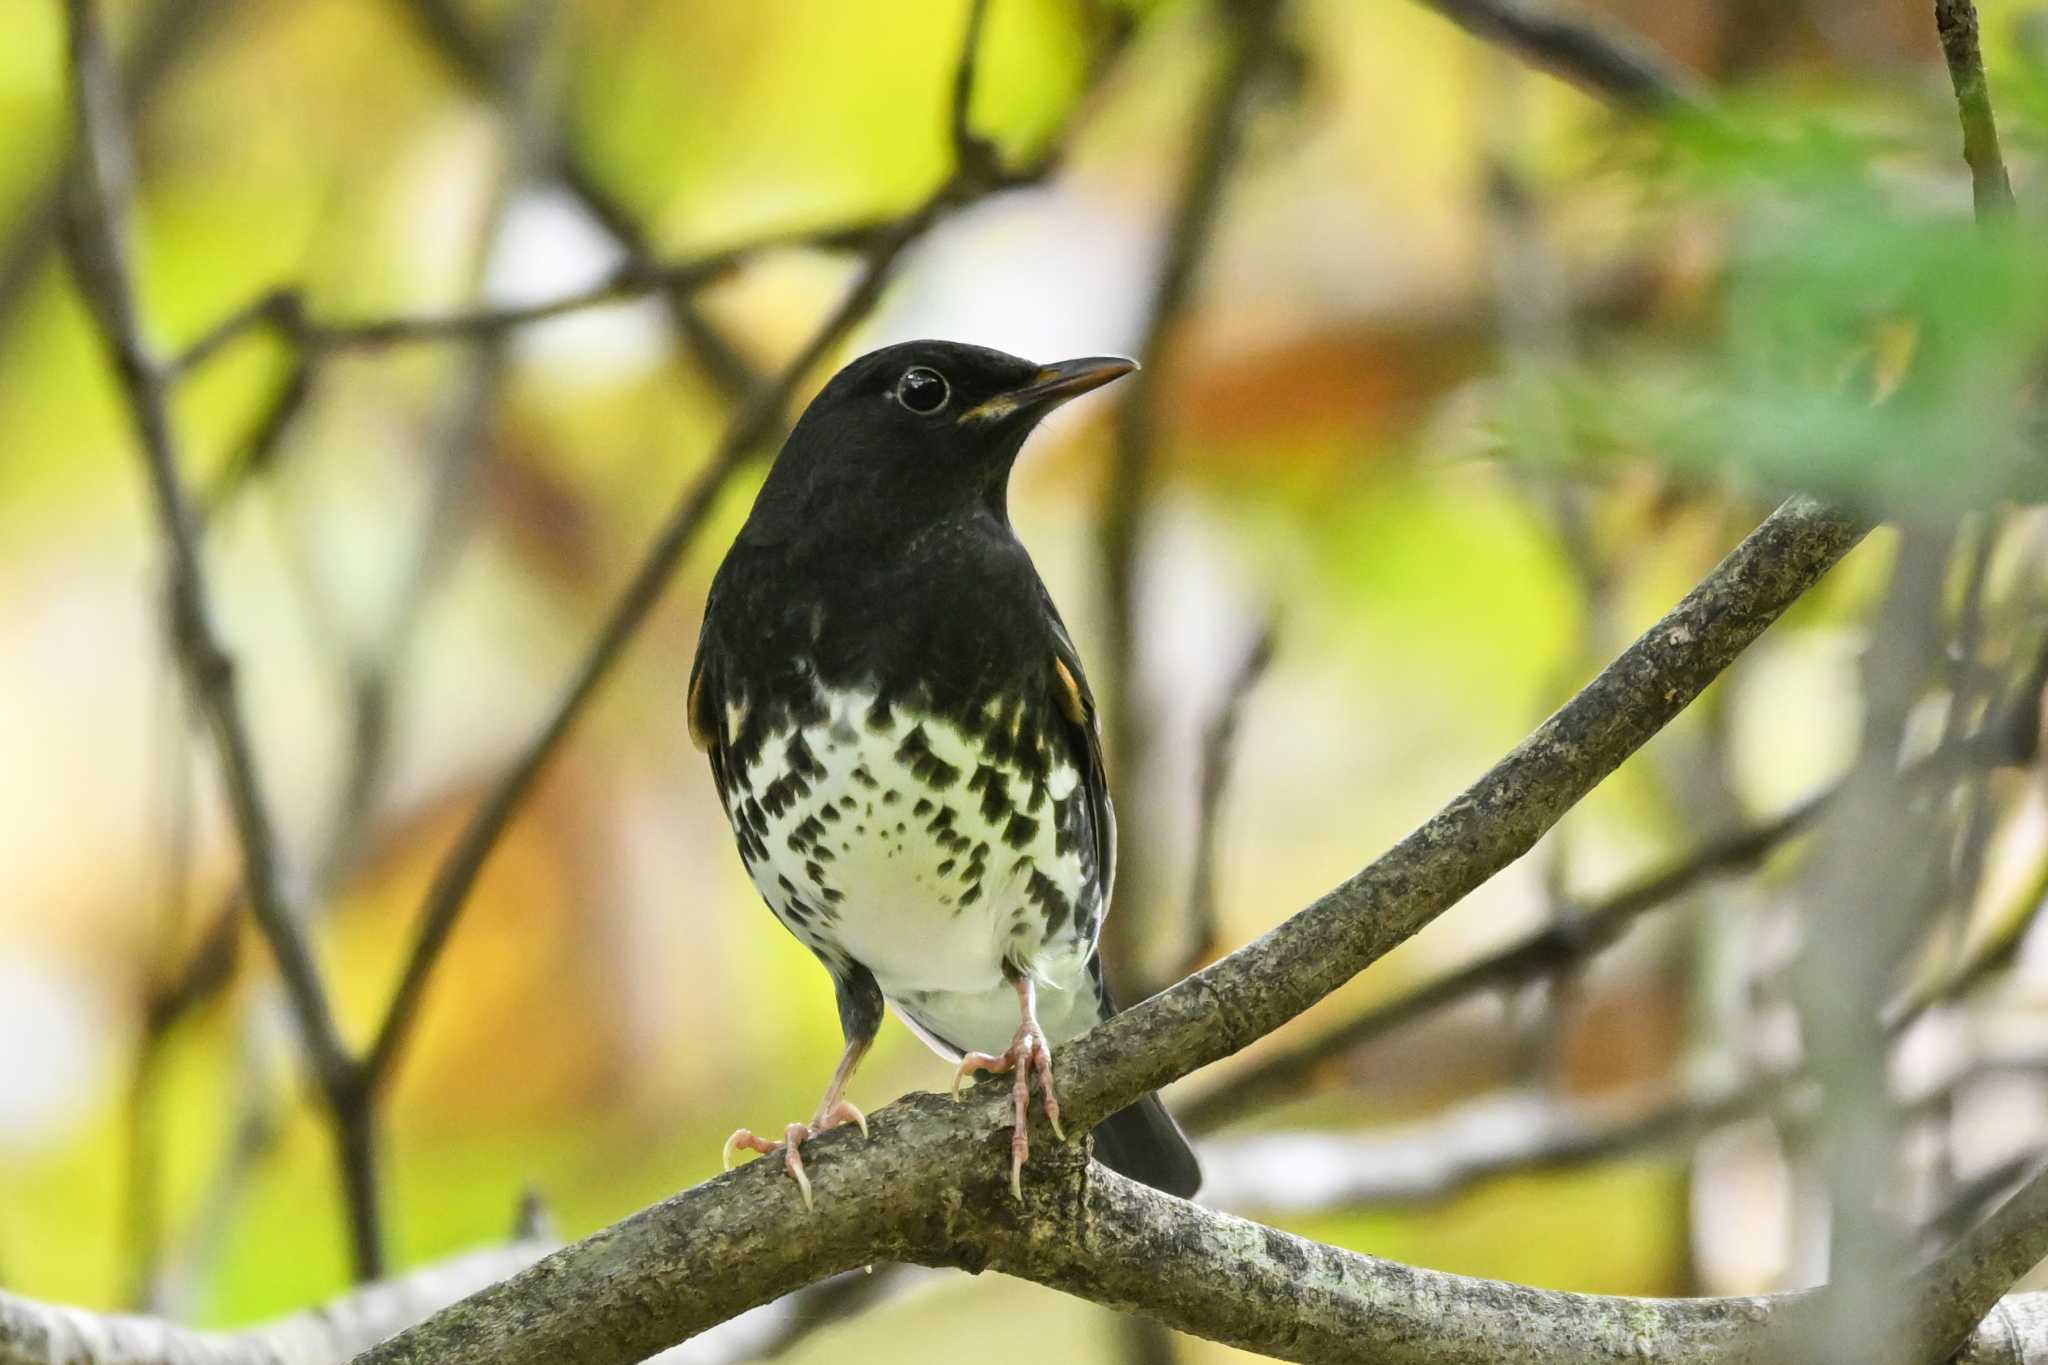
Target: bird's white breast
[(902, 846)]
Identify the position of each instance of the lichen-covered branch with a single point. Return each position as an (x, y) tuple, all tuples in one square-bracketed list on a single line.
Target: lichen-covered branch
[(928, 1185)]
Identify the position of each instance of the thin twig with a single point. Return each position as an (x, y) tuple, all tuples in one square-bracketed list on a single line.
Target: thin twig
[(1253, 35), (1970, 970), (1546, 951), (969, 148), (37, 1334), (284, 311), (97, 237), (172, 31), (1219, 750), (1990, 188), (1507, 1133), (1578, 48)]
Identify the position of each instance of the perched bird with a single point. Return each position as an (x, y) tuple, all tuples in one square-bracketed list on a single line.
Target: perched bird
[(904, 740)]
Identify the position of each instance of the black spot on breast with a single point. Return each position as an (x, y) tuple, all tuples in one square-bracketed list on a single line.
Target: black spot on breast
[(797, 754), (1066, 822), (923, 806), (784, 792), (880, 716), (1050, 900), (1021, 830), (995, 793), (804, 835), (915, 753), (945, 867), (865, 778)]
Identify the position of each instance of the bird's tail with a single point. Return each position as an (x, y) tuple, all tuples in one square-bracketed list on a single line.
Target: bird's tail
[(1144, 1143)]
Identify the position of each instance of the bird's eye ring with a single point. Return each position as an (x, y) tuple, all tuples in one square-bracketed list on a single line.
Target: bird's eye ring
[(923, 391)]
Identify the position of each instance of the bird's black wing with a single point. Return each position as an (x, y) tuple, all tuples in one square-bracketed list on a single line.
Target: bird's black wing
[(1141, 1141), (1074, 703)]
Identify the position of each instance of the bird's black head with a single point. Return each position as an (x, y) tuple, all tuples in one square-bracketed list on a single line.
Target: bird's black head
[(912, 435)]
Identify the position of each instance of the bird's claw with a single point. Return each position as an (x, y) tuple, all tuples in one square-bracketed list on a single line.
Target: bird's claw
[(793, 1137), (1029, 1055)]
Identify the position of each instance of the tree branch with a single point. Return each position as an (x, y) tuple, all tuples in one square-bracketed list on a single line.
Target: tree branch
[(928, 1185), (1253, 35), (38, 1334), (1577, 48), (283, 311), (96, 235), (1219, 753), (1545, 951), (1990, 188), (1436, 1158)]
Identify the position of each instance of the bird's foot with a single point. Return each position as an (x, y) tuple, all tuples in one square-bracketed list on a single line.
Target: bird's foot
[(1029, 1055), (793, 1137)]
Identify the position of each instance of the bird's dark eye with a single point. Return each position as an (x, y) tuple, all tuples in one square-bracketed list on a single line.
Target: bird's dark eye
[(923, 391)]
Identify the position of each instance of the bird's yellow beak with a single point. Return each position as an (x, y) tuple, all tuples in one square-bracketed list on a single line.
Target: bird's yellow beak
[(1051, 386)]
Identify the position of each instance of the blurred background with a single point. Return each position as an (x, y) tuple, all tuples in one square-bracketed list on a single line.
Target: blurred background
[(1459, 374)]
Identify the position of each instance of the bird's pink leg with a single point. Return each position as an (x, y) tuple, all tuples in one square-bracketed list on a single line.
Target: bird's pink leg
[(1030, 1054), (833, 1110)]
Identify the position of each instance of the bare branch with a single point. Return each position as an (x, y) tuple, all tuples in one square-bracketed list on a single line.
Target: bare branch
[(172, 31), (915, 1191), (1445, 1154), (1253, 28), (1219, 749), (1577, 48), (38, 1334), (970, 150), (99, 256), (1990, 187), (283, 311), (1541, 953), (1994, 951), (685, 1264)]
